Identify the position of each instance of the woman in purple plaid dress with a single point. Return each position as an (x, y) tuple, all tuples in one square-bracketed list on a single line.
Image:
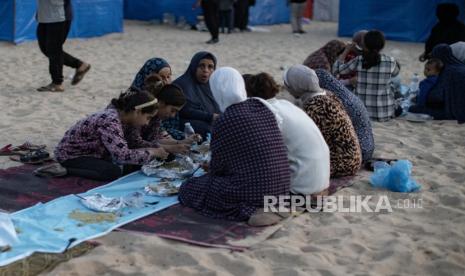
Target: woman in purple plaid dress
[(249, 158)]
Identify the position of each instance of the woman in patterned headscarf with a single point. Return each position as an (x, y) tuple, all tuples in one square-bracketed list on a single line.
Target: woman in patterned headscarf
[(325, 57), (248, 156), (329, 115)]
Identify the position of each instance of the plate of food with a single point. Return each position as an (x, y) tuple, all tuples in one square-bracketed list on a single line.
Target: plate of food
[(162, 188)]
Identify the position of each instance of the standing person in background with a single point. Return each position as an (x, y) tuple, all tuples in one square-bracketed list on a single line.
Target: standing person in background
[(297, 12), (211, 14), (226, 12), (241, 14), (54, 19), (448, 30)]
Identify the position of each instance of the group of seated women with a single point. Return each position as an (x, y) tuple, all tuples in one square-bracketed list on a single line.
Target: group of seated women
[(260, 146), (369, 73)]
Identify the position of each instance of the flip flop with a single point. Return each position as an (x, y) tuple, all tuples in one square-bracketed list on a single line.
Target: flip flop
[(369, 165), (80, 75), (34, 157), (29, 146), (50, 88), (9, 150)]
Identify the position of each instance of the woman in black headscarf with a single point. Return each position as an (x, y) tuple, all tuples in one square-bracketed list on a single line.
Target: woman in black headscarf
[(448, 30), (201, 109)]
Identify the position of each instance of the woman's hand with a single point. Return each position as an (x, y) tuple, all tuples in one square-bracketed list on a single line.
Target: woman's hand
[(194, 138), (158, 153), (180, 148), (205, 166)]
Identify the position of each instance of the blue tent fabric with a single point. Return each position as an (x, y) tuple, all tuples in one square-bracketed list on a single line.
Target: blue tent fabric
[(265, 12), (91, 18), (154, 9), (269, 12), (403, 20)]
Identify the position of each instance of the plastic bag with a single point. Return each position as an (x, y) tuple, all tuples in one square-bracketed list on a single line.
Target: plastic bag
[(163, 188), (396, 178)]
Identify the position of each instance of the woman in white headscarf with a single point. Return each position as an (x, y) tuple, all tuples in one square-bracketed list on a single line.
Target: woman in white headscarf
[(330, 116), (307, 150), (458, 50), (248, 155)]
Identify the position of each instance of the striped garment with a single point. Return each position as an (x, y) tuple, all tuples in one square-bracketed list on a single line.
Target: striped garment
[(373, 85)]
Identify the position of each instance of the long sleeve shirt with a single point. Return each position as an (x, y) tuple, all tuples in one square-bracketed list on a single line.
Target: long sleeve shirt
[(101, 136)]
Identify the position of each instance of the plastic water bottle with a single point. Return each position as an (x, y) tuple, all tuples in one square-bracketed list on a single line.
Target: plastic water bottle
[(188, 130), (414, 85)]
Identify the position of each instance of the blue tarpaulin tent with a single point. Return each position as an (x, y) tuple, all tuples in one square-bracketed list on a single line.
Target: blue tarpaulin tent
[(91, 18), (404, 20), (265, 12)]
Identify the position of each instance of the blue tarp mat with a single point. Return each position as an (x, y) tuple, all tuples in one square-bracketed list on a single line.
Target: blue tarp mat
[(404, 20), (265, 12), (47, 227), (90, 18)]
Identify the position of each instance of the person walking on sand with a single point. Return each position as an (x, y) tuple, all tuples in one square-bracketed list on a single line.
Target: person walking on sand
[(54, 18), (211, 13)]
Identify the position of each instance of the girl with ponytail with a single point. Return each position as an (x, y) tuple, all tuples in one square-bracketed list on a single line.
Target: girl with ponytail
[(374, 73)]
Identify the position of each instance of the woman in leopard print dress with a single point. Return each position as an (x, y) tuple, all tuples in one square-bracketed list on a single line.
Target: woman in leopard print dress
[(331, 118)]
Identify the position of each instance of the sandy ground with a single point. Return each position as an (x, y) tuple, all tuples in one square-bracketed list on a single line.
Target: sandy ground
[(427, 240)]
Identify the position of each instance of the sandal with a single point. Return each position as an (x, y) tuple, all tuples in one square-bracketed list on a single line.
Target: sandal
[(34, 157), (52, 170), (50, 88), (19, 150), (79, 75), (370, 164)]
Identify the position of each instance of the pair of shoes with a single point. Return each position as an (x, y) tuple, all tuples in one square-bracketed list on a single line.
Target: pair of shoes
[(19, 150), (51, 88), (213, 41), (33, 157), (370, 164), (79, 75)]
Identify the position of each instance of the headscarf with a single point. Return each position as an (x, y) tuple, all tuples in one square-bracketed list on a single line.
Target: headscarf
[(357, 38), (153, 65), (325, 57), (302, 82), (458, 49), (228, 87), (195, 91), (450, 83)]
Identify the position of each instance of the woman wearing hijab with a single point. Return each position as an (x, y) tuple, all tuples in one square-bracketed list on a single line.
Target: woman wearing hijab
[(307, 150), (448, 30), (248, 156), (446, 100), (161, 68), (331, 118), (325, 57), (350, 79), (355, 109), (201, 109), (458, 49)]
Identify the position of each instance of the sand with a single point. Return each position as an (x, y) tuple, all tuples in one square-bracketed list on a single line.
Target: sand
[(427, 240)]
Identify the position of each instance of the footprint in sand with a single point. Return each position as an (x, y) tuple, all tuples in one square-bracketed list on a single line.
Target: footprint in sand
[(452, 201)]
